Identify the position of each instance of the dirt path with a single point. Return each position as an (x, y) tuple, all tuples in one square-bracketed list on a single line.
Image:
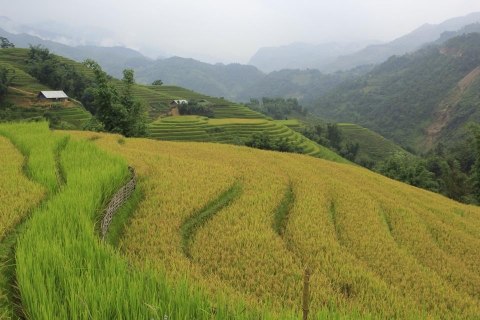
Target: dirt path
[(22, 91)]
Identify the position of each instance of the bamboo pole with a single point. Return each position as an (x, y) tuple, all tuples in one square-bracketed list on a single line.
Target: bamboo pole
[(306, 294)]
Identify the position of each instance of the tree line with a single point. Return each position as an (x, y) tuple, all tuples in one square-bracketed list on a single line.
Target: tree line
[(451, 171)]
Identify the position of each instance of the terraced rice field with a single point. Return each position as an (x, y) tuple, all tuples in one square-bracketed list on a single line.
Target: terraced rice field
[(222, 108), (226, 232), (22, 80), (76, 115), (157, 98), (232, 131), (375, 247), (18, 193), (372, 145), (292, 124)]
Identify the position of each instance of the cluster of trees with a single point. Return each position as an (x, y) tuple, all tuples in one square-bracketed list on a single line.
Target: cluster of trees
[(198, 108), (277, 108), (5, 43), (117, 113), (5, 78), (265, 142), (58, 75), (5, 81), (331, 136), (453, 172)]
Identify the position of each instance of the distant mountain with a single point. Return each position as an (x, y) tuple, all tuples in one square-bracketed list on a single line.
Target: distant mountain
[(304, 85), (215, 80), (417, 99), (62, 33), (112, 59), (408, 43), (301, 55), (470, 28)]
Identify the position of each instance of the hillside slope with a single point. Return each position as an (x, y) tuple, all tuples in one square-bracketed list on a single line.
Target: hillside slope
[(158, 99), (416, 99), (113, 59), (376, 248), (23, 93), (217, 80), (304, 85)]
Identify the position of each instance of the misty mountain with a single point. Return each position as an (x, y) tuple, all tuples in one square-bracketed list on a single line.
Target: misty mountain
[(217, 80), (417, 99), (471, 28), (374, 54), (112, 59), (301, 55), (233, 81), (62, 33), (304, 85)]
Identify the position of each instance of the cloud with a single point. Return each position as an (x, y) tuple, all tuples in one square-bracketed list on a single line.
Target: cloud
[(235, 30)]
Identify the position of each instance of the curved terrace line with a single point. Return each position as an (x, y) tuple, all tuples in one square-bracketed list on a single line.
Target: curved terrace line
[(282, 211), (8, 244), (197, 220)]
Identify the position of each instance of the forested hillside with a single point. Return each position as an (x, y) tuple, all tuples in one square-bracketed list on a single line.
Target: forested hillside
[(217, 80), (304, 85), (416, 99)]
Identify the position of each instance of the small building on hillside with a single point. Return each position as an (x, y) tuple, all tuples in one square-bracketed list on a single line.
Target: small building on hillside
[(176, 103), (52, 96)]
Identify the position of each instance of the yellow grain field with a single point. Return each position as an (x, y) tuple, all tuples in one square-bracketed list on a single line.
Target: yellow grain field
[(17, 193), (17, 196), (375, 247)]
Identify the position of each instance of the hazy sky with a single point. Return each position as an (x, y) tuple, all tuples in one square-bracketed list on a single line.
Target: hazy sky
[(232, 31)]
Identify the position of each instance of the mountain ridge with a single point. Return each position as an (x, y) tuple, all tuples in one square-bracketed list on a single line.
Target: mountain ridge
[(407, 97)]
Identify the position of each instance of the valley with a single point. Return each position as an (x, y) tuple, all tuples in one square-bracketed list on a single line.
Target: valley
[(343, 184)]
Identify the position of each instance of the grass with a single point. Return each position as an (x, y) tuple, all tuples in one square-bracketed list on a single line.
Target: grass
[(19, 195)]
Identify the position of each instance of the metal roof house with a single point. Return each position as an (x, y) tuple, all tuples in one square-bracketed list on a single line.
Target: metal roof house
[(52, 96), (176, 103)]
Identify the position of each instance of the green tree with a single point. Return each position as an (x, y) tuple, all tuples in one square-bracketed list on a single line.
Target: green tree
[(119, 114), (334, 135), (192, 107), (5, 81), (49, 70), (475, 130), (136, 108), (409, 170), (157, 82), (4, 43), (265, 142)]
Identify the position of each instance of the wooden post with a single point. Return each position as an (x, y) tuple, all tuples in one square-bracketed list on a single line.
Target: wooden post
[(306, 294)]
